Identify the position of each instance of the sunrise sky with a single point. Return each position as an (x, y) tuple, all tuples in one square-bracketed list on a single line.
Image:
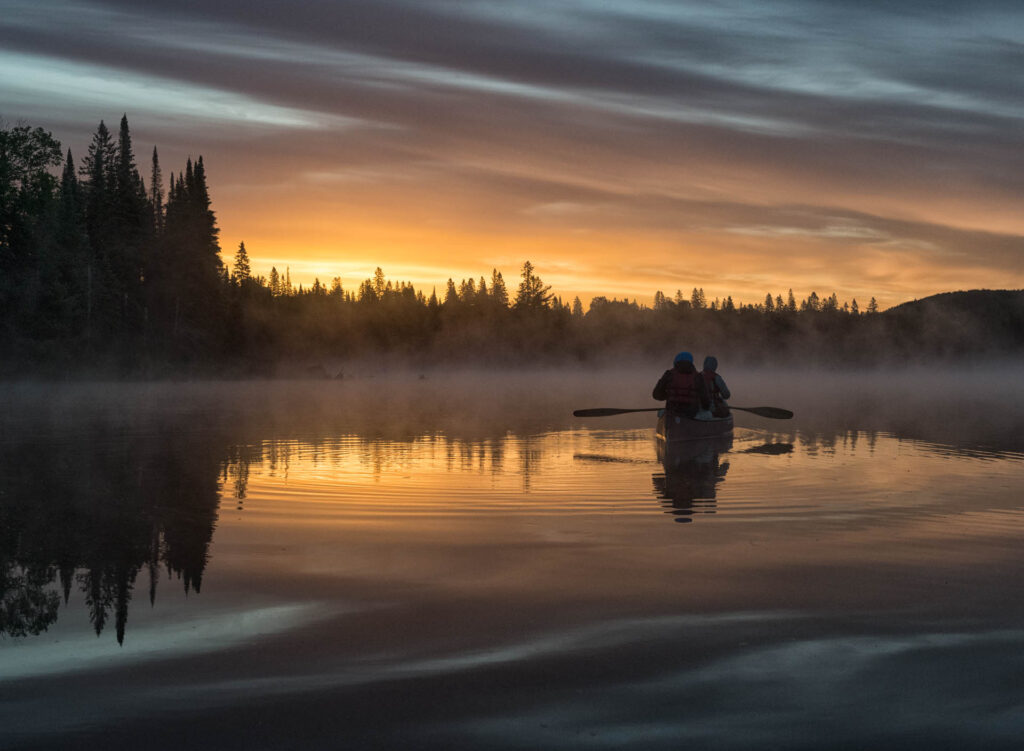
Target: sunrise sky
[(741, 146)]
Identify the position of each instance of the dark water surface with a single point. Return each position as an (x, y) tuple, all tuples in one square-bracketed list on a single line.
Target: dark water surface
[(393, 562)]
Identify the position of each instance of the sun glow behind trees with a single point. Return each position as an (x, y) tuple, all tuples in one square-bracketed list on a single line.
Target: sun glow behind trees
[(101, 275)]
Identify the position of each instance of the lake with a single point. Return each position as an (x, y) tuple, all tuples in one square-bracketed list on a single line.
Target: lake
[(452, 560)]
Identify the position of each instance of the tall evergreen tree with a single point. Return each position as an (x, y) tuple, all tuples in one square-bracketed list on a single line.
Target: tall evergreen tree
[(98, 179), (242, 272), (192, 297), (156, 193), (451, 295), (499, 293), (532, 294)]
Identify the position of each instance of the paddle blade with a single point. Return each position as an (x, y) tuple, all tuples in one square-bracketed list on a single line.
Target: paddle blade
[(608, 411), (774, 413)]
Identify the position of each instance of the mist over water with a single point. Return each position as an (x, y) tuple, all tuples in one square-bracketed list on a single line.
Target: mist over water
[(440, 559)]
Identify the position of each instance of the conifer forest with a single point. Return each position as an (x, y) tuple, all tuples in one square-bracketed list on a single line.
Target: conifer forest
[(104, 273)]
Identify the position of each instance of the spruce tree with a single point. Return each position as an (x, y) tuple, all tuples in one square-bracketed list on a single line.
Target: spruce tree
[(532, 294), (499, 293), (156, 193), (451, 295), (98, 181), (242, 272)]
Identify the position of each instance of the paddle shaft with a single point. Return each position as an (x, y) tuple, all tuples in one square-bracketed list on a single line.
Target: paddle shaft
[(774, 413)]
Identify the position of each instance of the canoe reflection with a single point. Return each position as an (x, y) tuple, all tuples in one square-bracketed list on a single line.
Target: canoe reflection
[(692, 471)]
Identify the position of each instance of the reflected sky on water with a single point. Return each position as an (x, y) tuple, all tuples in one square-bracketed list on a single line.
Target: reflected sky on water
[(188, 569)]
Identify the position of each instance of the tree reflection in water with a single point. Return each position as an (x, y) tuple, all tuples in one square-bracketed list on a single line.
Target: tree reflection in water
[(95, 513)]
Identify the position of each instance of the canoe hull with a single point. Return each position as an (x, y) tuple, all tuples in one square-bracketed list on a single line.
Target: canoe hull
[(676, 428)]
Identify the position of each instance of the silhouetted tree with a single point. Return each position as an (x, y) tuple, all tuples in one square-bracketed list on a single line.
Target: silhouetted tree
[(499, 293), (533, 294), (242, 271)]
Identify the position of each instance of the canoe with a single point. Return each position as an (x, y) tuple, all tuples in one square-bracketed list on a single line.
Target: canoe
[(675, 428)]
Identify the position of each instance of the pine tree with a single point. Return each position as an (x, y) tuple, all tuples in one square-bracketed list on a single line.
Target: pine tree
[(577, 307), (242, 271), (791, 302), (72, 271), (532, 294), (854, 308), (769, 306), (499, 293), (192, 280), (451, 295), (98, 180), (873, 306), (156, 193)]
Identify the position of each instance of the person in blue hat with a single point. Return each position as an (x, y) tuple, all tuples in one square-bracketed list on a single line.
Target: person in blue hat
[(683, 388), (717, 390)]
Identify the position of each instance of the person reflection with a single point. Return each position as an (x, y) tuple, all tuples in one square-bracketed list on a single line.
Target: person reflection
[(692, 471), (94, 514)]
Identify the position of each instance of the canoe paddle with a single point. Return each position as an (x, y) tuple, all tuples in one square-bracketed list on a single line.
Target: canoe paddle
[(775, 413)]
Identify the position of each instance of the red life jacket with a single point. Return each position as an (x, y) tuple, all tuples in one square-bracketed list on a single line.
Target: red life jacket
[(682, 387)]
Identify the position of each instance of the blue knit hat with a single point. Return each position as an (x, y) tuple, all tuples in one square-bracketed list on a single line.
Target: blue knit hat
[(683, 357)]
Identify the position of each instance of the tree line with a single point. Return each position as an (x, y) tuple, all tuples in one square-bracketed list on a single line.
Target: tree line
[(100, 274), (94, 267)]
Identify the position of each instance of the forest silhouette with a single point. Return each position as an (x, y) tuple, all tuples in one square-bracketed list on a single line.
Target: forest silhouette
[(101, 275)]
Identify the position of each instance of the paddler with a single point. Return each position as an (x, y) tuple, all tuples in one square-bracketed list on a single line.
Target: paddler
[(683, 388), (717, 390)]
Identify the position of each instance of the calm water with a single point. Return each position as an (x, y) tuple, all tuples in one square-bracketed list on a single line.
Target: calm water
[(457, 562)]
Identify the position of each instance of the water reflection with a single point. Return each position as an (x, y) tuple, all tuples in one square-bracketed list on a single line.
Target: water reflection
[(692, 470), (496, 583), (96, 515), (106, 505)]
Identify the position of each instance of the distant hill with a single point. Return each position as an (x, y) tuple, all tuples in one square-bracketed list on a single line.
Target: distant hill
[(978, 320)]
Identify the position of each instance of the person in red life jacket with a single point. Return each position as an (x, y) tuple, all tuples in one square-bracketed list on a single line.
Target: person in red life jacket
[(682, 388), (717, 389)]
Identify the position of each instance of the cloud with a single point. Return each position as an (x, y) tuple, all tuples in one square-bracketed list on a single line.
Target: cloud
[(651, 128)]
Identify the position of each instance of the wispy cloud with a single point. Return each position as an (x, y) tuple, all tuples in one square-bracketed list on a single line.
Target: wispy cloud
[(692, 127)]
